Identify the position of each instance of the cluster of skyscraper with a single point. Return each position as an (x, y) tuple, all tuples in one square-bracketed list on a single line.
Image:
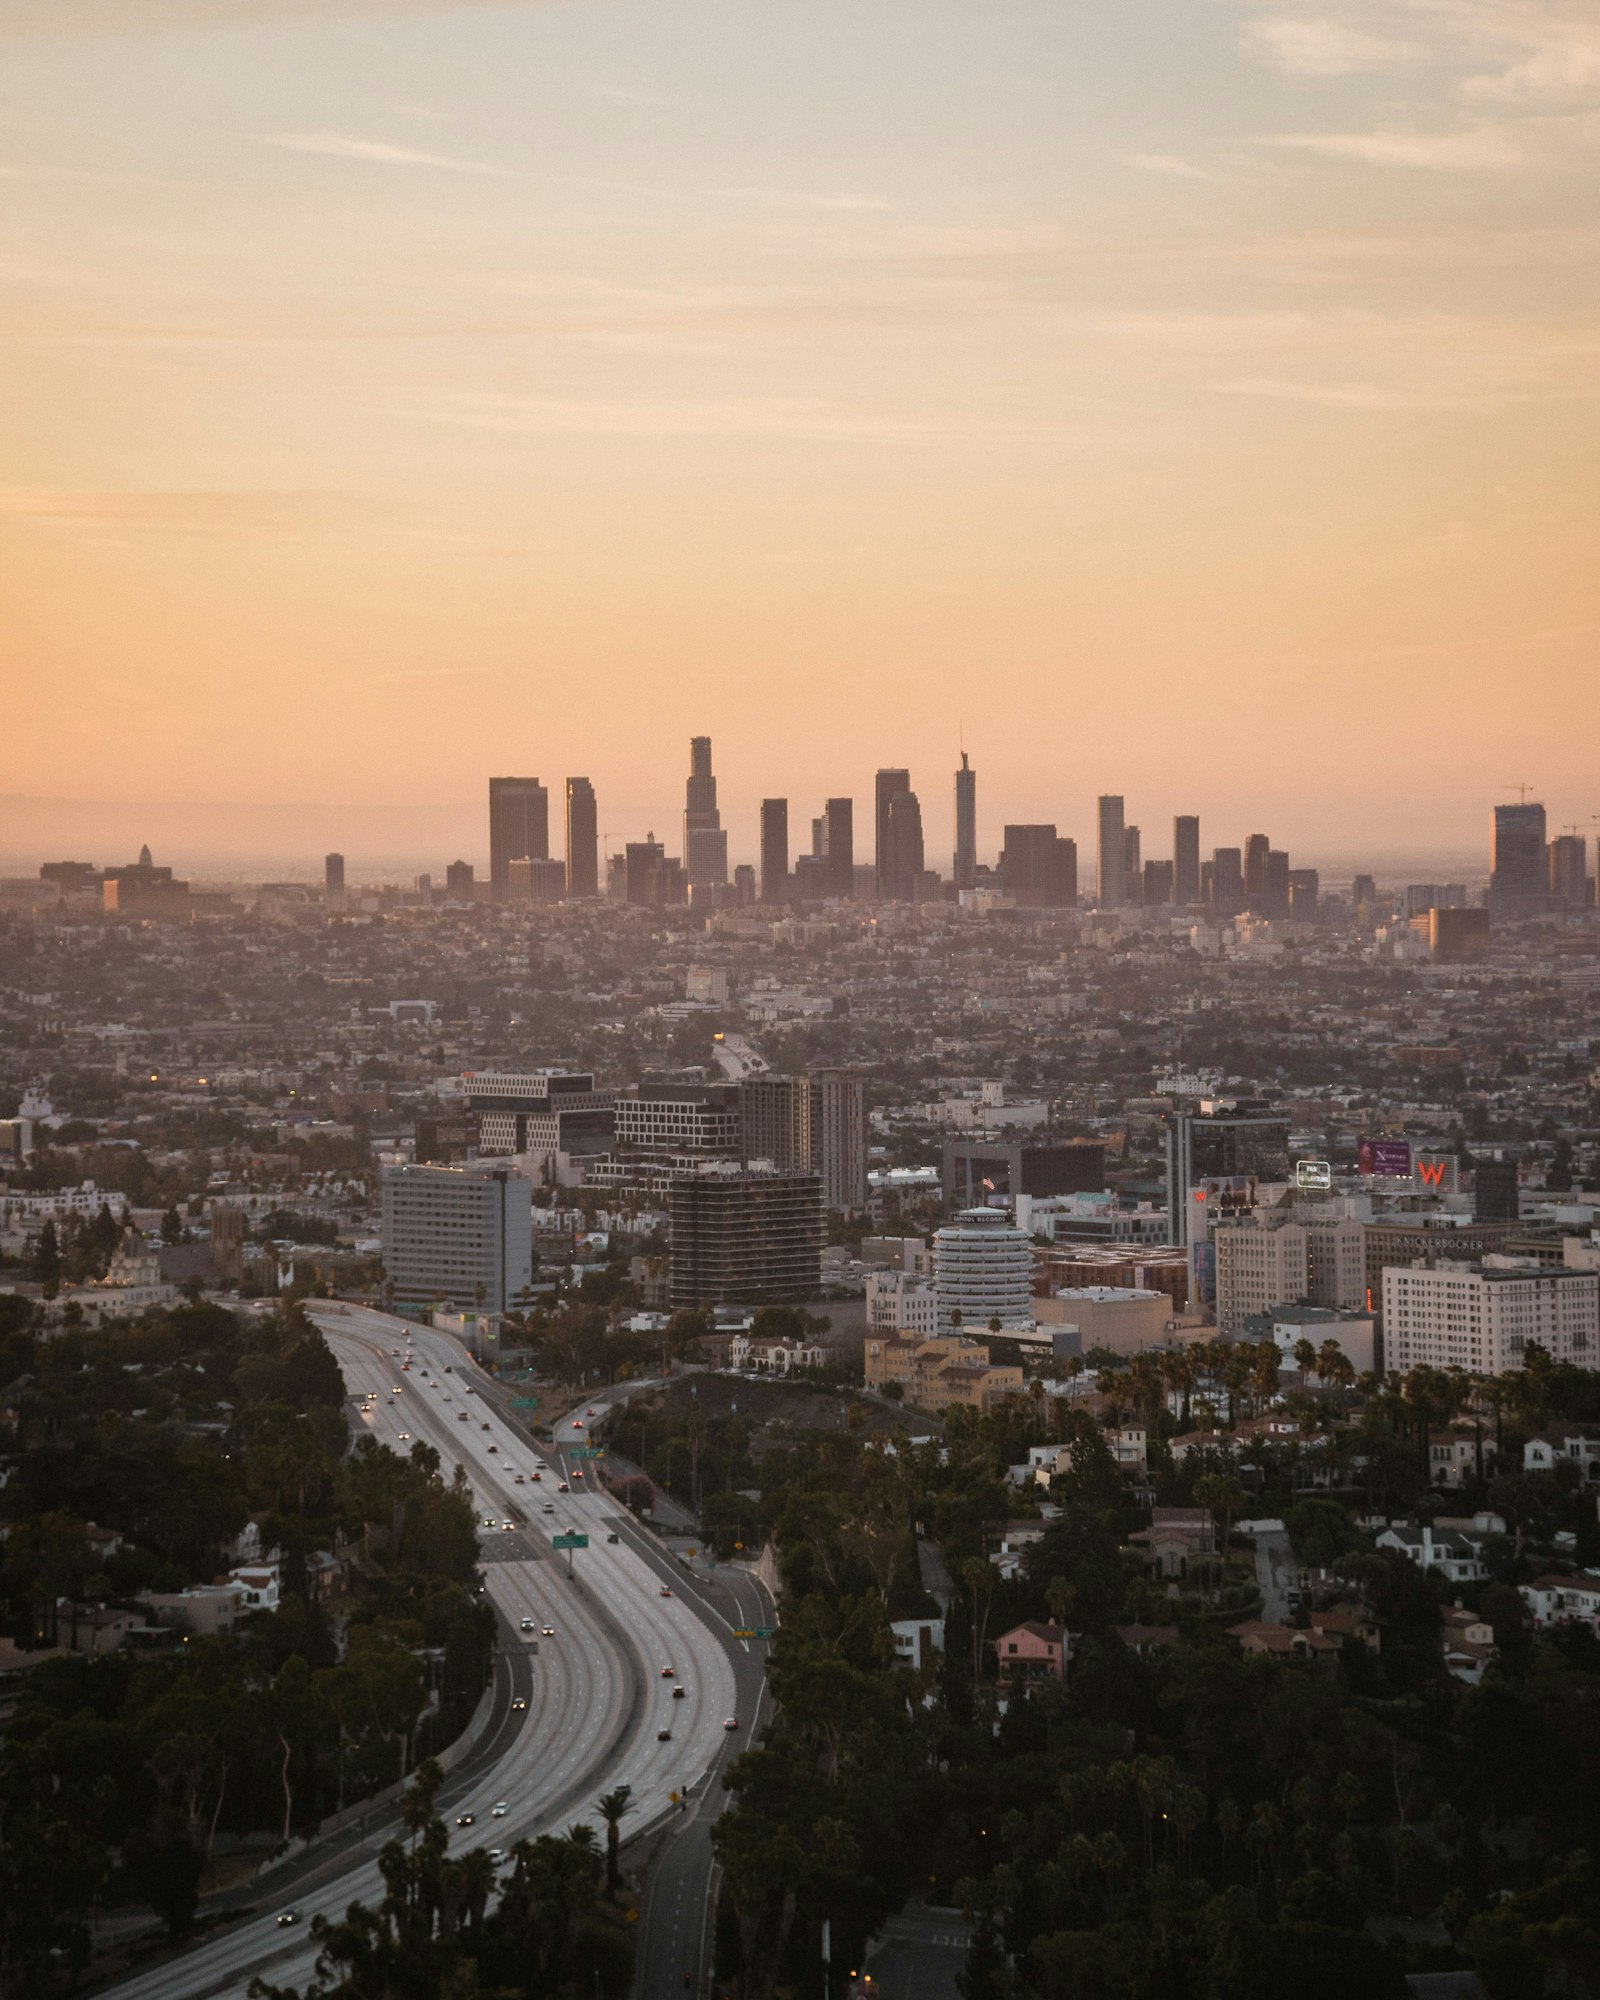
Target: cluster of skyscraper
[(1038, 866), (1534, 875)]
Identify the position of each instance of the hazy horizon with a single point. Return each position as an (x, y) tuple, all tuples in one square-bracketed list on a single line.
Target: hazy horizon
[(245, 843), (1198, 400)]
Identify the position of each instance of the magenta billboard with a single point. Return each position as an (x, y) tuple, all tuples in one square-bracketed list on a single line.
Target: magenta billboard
[(1387, 1158)]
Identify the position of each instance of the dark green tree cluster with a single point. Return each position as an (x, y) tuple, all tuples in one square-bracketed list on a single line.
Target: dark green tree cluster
[(552, 1934), (120, 1772), (1180, 1821)]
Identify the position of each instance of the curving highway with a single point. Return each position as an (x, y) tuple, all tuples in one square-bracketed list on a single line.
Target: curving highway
[(590, 1670)]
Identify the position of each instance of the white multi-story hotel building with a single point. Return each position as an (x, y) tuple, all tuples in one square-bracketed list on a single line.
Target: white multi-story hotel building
[(900, 1303), (1482, 1317)]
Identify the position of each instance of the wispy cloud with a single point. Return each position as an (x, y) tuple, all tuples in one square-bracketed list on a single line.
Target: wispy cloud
[(1355, 395), (796, 419), (1475, 149), (1514, 52), (268, 510), (112, 17), (378, 152), (1308, 45), (1170, 165), (800, 198)]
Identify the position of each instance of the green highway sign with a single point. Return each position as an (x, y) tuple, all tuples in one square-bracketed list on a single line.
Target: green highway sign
[(524, 1402), (584, 1451), (572, 1541), (766, 1631)]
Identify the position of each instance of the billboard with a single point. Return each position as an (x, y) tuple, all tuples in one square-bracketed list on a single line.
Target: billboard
[(1389, 1159), (1317, 1174)]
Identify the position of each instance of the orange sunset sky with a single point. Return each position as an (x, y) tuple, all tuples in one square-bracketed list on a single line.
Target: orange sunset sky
[(1196, 399)]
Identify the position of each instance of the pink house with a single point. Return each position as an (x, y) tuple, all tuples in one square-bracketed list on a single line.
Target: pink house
[(1033, 1652)]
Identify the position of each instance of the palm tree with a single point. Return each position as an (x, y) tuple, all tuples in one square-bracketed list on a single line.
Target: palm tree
[(611, 1808), (1305, 1356), (1334, 1366), (476, 1879)]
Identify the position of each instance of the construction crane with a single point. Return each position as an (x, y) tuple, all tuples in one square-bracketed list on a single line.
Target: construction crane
[(1522, 786)]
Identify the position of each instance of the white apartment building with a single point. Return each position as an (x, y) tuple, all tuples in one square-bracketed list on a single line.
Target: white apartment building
[(462, 1235), (1262, 1262), (900, 1303), (983, 1270), (1258, 1266), (1481, 1317)]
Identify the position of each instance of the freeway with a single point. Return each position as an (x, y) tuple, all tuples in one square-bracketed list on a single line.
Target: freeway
[(598, 1702)]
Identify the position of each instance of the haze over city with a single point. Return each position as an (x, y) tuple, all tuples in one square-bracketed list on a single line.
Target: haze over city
[(1186, 397)]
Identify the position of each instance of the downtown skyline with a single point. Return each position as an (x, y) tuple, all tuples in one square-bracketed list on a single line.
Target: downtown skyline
[(254, 842)]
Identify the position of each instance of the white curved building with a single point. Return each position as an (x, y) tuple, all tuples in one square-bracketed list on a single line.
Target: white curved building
[(983, 1270)]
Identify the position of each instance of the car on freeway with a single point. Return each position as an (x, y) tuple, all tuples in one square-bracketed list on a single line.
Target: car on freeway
[(494, 1447), (732, 1722), (483, 1427), (396, 1390), (528, 1625), (549, 1507), (613, 1536), (519, 1481), (594, 1413), (666, 1590), (472, 1392), (395, 1352), (466, 1819), (663, 1735), (448, 1369), (549, 1631), (537, 1478), (518, 1705), (497, 1855), (508, 1527), (577, 1472), (461, 1416), (577, 1423), (666, 1673), (405, 1437), (488, 1520), (499, 1809), (563, 1487), (287, 1917), (678, 1693)]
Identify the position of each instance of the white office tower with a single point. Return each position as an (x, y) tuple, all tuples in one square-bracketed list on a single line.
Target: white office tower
[(459, 1234), (983, 1270)]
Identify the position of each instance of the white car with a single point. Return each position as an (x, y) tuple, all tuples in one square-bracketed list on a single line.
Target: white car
[(499, 1809)]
